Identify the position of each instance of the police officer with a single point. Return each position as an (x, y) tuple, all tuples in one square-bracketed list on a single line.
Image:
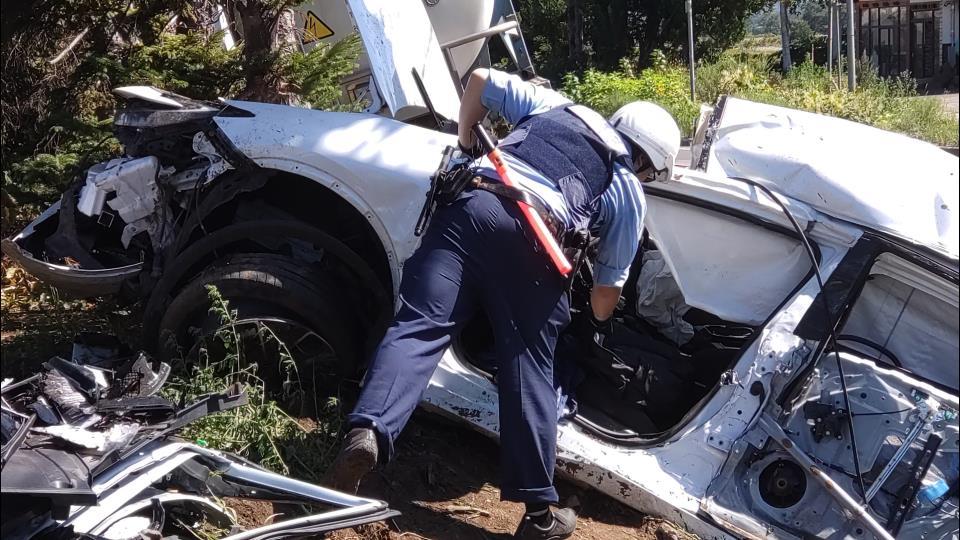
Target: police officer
[(479, 253)]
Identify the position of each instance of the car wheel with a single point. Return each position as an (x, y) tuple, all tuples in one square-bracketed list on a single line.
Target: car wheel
[(282, 310)]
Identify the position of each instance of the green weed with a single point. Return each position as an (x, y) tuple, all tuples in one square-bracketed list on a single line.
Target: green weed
[(315, 76), (892, 104), (261, 430), (607, 92)]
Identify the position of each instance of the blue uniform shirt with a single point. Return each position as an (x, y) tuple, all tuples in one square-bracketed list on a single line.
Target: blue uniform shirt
[(622, 205)]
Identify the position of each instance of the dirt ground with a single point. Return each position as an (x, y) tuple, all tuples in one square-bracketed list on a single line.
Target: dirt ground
[(444, 480)]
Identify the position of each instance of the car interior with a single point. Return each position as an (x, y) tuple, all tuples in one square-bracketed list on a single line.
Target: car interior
[(907, 318), (886, 423), (674, 335)]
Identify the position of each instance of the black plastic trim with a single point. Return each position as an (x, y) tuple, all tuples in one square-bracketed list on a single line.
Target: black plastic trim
[(711, 131), (844, 283)]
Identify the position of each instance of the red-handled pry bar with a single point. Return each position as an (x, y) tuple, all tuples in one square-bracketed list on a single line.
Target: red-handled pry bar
[(540, 229)]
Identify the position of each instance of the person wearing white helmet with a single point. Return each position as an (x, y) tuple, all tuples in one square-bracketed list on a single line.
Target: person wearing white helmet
[(478, 253), (653, 133)]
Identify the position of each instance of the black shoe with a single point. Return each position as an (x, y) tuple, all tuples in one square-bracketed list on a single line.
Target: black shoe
[(564, 523), (357, 457)]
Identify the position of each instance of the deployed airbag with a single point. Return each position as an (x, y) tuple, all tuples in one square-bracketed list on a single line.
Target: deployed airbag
[(726, 266)]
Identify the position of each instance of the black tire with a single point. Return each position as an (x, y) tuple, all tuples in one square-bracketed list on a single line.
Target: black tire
[(271, 288)]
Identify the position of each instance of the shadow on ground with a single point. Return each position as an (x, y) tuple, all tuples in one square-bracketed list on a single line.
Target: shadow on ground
[(32, 336)]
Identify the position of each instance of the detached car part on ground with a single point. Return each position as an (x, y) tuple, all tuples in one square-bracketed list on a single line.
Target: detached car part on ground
[(785, 363), (89, 452)]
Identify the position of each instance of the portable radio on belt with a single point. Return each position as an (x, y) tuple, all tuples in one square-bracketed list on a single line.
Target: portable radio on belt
[(539, 227)]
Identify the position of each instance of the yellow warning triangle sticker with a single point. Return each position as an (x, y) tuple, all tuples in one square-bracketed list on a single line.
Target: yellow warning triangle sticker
[(314, 29)]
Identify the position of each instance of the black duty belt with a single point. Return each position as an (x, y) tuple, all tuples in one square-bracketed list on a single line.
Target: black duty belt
[(521, 195), (448, 182), (573, 241)]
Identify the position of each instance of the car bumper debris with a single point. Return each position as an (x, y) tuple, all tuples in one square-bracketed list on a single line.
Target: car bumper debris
[(89, 451)]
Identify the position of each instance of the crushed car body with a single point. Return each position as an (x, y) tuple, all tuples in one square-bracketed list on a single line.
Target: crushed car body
[(89, 451), (887, 182), (793, 304)]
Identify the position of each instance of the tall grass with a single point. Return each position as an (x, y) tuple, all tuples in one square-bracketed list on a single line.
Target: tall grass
[(892, 104), (260, 430)]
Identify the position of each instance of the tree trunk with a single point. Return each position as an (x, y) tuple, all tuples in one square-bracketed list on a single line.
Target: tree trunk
[(266, 34), (785, 35), (575, 31), (610, 35)]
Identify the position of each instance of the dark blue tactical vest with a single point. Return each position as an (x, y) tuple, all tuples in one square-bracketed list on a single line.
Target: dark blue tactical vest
[(560, 145)]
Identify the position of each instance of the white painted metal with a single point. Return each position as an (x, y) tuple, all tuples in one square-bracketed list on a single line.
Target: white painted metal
[(86, 518), (149, 93), (399, 38), (127, 479), (379, 165), (454, 19), (855, 172)]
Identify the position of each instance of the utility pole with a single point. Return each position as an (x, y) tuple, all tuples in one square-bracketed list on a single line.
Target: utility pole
[(786, 61), (830, 39), (851, 48), (836, 31), (693, 72)]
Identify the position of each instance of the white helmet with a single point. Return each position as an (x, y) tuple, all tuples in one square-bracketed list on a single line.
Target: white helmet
[(651, 128)]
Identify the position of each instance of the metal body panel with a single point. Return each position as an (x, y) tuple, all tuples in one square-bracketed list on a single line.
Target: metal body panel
[(120, 486), (876, 178), (458, 18), (379, 165), (399, 38)]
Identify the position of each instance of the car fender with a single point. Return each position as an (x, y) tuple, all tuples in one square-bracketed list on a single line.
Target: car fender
[(379, 165)]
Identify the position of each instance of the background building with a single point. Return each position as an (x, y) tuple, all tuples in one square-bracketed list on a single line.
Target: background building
[(918, 37)]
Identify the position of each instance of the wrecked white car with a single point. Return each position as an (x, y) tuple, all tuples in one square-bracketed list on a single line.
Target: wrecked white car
[(785, 362)]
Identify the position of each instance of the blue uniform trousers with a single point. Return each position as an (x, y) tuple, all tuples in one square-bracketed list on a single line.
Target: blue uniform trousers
[(477, 254)]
